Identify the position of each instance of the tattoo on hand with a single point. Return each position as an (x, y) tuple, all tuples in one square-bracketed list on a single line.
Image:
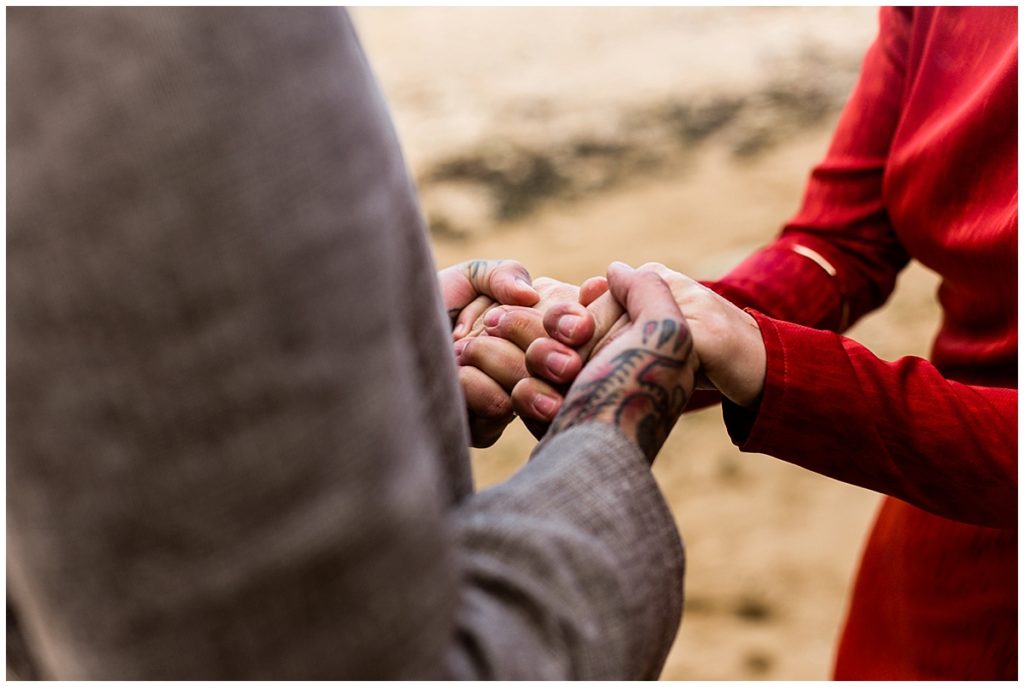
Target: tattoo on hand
[(480, 267), (640, 390)]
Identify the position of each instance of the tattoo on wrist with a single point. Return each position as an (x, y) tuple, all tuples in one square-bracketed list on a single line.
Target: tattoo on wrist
[(640, 390)]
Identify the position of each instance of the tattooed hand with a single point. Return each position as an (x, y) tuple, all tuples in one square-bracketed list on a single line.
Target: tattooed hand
[(727, 340), (642, 378)]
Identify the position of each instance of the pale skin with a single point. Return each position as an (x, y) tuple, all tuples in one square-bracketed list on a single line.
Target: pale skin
[(488, 387), (468, 289), (639, 382), (536, 360)]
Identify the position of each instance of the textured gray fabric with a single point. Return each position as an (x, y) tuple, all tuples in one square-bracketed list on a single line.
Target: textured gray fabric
[(236, 446)]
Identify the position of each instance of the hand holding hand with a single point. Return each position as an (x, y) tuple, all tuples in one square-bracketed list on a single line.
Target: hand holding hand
[(468, 290), (643, 376), (492, 361), (556, 338), (727, 340)]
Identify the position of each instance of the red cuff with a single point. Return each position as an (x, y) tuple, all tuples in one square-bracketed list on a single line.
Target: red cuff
[(792, 419), (748, 427), (900, 428)]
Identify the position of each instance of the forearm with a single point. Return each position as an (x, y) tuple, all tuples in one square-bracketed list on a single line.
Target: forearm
[(838, 257), (814, 279), (786, 285), (898, 428)]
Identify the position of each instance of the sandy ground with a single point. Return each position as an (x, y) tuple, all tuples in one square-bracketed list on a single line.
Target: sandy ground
[(567, 138)]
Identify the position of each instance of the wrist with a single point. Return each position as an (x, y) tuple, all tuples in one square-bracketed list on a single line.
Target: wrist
[(647, 446), (747, 364), (644, 414)]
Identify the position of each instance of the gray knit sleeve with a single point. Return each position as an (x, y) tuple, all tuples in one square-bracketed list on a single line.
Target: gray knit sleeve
[(571, 569), (236, 445)]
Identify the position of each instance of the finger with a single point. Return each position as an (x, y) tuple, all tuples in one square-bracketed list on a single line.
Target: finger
[(456, 290), (683, 288), (591, 289), (608, 316), (521, 326), (553, 291), (641, 293), (466, 322), (648, 300), (658, 267), (484, 433), (535, 399), (484, 397), (506, 281), (553, 361), (501, 360), (570, 323)]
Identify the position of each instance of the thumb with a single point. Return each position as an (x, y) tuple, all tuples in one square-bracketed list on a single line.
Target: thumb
[(642, 293), (509, 283), (649, 300)]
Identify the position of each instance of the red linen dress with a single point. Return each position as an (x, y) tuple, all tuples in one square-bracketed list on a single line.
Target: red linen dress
[(923, 165)]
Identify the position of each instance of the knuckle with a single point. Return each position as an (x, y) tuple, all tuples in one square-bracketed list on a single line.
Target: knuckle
[(652, 281), (495, 406), (667, 274), (565, 292), (544, 283), (519, 327), (705, 298), (566, 308), (511, 324), (694, 299)]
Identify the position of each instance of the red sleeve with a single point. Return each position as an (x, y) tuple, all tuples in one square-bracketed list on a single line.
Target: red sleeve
[(899, 428), (838, 258)]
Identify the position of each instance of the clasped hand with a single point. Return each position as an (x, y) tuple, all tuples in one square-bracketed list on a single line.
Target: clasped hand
[(628, 349)]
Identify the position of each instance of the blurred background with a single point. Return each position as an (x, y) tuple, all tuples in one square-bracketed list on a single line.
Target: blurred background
[(570, 137)]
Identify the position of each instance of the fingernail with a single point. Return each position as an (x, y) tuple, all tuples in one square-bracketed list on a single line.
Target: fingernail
[(621, 266), (557, 362), (493, 317), (545, 405), (567, 325), (523, 284), (459, 347), (459, 330)]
